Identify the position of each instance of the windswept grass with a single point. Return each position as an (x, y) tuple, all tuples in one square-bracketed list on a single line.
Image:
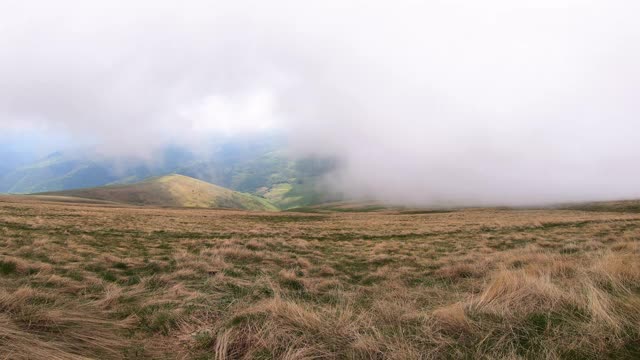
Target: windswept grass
[(93, 281)]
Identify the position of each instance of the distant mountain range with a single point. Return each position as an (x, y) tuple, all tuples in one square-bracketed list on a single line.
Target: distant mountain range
[(258, 166)]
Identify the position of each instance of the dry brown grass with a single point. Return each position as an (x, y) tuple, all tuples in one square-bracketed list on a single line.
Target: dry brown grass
[(98, 281)]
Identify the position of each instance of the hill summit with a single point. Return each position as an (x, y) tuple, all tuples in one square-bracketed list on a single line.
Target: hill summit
[(172, 190)]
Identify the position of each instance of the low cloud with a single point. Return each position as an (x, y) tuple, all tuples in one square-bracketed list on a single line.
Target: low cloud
[(425, 102)]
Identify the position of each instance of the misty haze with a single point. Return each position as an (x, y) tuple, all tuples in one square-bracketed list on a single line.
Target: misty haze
[(319, 180)]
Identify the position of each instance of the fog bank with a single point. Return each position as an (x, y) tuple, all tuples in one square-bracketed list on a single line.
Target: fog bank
[(424, 102)]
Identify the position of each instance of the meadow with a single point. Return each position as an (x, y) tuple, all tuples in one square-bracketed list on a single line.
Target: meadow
[(82, 280)]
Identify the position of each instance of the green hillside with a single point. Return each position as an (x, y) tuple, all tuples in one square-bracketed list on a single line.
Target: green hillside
[(172, 190), (260, 167)]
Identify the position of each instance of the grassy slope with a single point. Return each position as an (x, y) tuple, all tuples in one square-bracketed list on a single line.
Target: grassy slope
[(610, 206), (621, 206), (77, 280), (369, 206), (284, 182), (485, 284), (294, 194), (348, 206), (173, 190)]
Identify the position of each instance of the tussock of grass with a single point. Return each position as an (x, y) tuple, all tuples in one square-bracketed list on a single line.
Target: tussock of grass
[(35, 324)]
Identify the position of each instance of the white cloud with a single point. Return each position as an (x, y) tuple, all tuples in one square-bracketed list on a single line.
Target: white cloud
[(497, 101), (219, 114)]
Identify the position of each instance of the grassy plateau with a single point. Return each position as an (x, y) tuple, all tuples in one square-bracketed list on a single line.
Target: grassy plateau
[(107, 281)]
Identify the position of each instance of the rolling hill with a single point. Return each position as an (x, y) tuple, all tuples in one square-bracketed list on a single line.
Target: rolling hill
[(172, 190)]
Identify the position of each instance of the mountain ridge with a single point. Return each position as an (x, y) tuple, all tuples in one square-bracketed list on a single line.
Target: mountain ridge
[(173, 190)]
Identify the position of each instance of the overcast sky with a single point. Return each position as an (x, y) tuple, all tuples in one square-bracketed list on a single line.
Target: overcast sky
[(483, 102)]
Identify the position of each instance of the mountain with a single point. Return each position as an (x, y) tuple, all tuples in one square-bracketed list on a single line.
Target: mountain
[(171, 190), (80, 169), (56, 172), (18, 149), (257, 165)]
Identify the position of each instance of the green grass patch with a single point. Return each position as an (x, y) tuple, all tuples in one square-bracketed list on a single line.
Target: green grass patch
[(7, 267)]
